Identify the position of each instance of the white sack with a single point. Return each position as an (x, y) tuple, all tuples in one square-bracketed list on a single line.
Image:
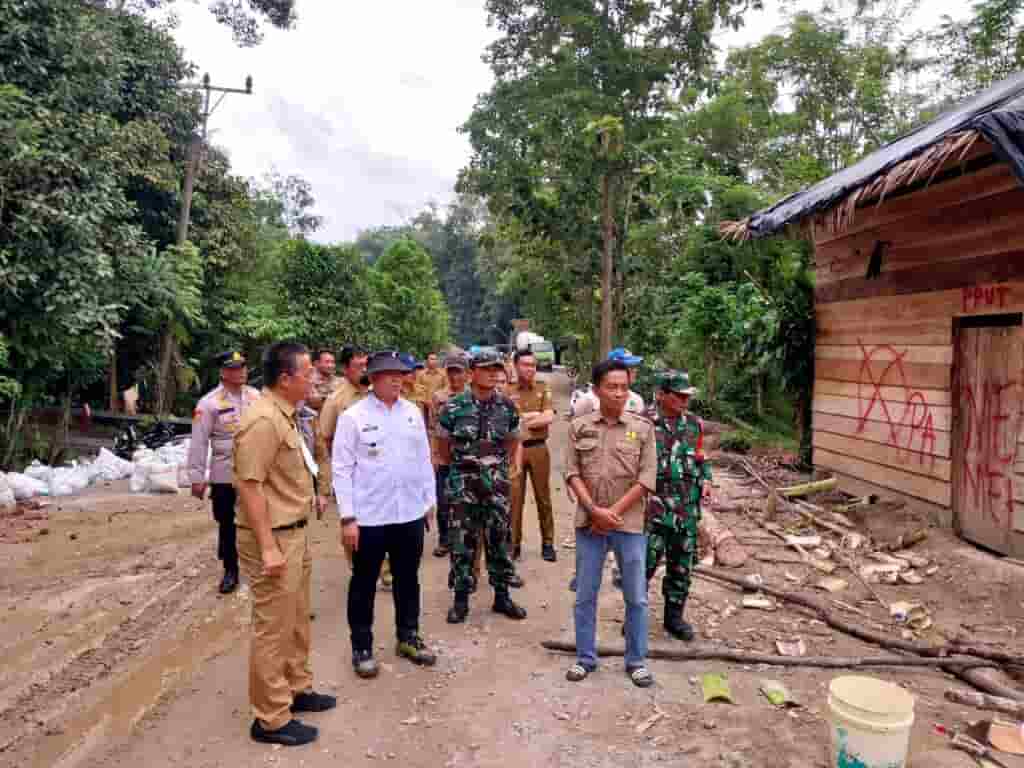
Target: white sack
[(39, 471), (25, 487), (163, 478)]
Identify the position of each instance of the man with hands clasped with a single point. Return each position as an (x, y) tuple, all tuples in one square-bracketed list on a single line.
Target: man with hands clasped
[(611, 466)]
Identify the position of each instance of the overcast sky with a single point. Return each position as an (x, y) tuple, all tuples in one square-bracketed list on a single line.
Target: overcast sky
[(364, 99)]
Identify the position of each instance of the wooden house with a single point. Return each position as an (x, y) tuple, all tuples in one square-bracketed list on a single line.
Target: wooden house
[(919, 361)]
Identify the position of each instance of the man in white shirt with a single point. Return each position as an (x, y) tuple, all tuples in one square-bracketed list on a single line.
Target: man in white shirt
[(384, 484)]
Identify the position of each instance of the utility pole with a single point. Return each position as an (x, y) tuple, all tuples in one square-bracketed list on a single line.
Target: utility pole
[(166, 384)]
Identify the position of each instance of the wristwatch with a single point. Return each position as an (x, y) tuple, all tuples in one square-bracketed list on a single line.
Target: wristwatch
[(347, 520)]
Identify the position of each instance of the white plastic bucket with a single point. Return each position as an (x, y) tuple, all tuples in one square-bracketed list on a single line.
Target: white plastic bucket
[(870, 722)]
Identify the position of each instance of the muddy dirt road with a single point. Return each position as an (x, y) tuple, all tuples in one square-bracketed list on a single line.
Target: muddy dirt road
[(117, 650)]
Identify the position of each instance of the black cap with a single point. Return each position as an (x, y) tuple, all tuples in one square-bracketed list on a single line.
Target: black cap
[(386, 360), (232, 359)]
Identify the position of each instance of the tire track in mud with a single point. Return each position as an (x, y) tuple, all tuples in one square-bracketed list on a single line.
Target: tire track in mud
[(42, 708)]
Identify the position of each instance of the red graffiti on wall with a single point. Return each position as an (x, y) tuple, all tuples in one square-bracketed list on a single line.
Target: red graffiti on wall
[(977, 297), (909, 420), (988, 466)]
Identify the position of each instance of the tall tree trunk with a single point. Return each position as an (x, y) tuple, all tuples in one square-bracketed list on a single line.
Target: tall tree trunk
[(112, 392), (166, 388), (710, 364), (607, 264), (759, 395)]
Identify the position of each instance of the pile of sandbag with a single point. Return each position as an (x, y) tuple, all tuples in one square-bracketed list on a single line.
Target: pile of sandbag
[(7, 500), (157, 471)]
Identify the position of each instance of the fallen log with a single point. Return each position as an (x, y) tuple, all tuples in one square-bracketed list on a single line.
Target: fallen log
[(976, 677), (988, 703), (805, 489), (987, 653), (710, 653)]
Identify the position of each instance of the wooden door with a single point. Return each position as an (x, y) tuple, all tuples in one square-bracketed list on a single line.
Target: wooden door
[(988, 494)]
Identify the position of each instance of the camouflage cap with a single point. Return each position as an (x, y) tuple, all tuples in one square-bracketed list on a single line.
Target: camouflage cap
[(486, 358), (676, 381)]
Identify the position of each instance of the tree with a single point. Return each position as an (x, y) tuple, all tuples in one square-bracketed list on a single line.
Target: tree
[(289, 200), (242, 16), (981, 50), (410, 308), (580, 96)]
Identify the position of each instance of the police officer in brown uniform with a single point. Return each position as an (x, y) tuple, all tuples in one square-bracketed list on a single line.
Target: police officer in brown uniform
[(214, 423), (274, 473), (534, 402)]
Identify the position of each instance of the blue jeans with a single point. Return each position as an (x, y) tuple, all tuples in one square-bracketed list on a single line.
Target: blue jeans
[(631, 554)]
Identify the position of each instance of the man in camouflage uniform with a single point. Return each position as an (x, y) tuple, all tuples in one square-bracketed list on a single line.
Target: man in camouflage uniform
[(673, 512), (477, 434)]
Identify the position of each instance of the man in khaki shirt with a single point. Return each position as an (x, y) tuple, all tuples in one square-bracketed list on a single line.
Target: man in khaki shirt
[(274, 474), (325, 378), (533, 401), (352, 387), (430, 380), (611, 466)]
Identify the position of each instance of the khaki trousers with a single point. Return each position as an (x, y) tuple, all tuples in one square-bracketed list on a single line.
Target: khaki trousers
[(279, 655), (536, 464)]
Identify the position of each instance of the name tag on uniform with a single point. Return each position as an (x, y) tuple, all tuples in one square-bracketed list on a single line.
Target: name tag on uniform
[(308, 458)]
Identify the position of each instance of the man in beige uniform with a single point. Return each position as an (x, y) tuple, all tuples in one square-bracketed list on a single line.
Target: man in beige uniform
[(214, 423), (532, 399), (351, 388), (325, 378), (430, 380), (274, 473)]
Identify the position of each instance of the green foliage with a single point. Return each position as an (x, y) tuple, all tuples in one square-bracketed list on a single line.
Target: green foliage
[(737, 442), (981, 50), (410, 309)]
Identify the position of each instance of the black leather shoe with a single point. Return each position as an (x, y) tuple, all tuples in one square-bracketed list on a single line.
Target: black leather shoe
[(229, 583), (313, 702), (515, 581), (292, 734), (503, 604), (548, 553)]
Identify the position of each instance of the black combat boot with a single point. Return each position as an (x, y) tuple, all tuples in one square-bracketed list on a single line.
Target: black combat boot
[(460, 608), (674, 623), (503, 604)]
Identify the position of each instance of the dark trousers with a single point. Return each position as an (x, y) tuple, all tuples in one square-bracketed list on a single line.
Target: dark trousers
[(223, 497), (443, 512), (402, 544)]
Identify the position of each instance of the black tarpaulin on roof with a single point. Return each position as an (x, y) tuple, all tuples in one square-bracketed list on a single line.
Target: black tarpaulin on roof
[(997, 113)]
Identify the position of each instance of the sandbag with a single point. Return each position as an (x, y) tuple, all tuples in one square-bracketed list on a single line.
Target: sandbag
[(39, 471), (163, 478), (7, 500), (61, 483), (110, 467), (139, 482), (25, 487)]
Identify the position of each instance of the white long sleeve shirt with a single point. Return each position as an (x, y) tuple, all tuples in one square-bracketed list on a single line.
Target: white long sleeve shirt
[(380, 463)]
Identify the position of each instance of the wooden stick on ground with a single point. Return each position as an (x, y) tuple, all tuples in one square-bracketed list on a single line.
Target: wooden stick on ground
[(709, 653), (753, 473), (986, 702), (805, 489), (807, 511), (976, 677)]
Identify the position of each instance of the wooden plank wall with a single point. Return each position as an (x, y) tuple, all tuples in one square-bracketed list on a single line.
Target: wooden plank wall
[(883, 395)]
